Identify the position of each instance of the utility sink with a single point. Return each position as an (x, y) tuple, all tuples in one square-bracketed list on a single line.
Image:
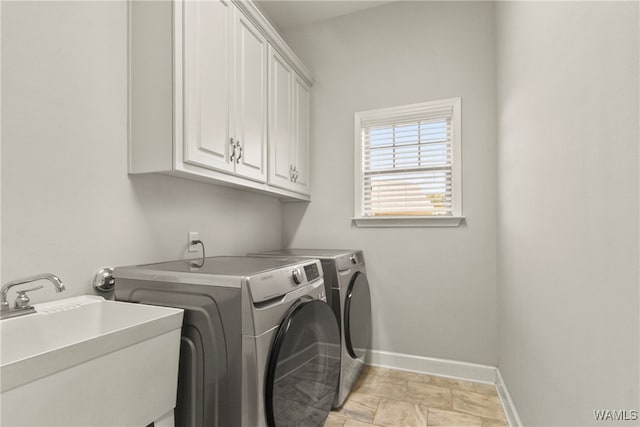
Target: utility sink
[(85, 361)]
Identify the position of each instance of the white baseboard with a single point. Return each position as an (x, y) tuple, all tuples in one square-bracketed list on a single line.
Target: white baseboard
[(509, 408), (449, 368), (432, 366)]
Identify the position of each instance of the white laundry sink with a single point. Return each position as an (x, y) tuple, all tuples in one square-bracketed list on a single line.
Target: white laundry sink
[(85, 361)]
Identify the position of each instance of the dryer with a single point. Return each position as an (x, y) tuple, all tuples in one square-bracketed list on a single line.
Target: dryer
[(348, 294), (260, 346)]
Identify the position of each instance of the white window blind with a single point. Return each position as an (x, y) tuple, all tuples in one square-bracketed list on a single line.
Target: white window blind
[(409, 159)]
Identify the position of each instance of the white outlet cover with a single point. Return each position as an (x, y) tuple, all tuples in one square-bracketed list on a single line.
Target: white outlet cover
[(193, 235)]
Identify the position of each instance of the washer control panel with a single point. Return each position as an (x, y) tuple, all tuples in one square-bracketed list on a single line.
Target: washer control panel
[(275, 283), (311, 271), (296, 275)]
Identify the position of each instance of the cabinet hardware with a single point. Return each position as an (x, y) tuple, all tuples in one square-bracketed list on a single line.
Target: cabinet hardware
[(233, 150), (240, 152)]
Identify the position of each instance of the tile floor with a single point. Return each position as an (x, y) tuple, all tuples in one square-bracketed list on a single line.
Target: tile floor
[(387, 398)]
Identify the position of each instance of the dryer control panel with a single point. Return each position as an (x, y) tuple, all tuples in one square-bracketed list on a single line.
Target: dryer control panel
[(349, 260)]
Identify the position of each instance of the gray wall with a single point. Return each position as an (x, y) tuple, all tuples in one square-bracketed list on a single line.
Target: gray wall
[(568, 208), (68, 205), (433, 289)]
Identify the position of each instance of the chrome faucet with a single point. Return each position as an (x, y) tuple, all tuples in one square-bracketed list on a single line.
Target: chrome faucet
[(22, 303)]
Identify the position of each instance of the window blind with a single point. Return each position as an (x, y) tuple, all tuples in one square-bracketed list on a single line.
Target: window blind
[(407, 163)]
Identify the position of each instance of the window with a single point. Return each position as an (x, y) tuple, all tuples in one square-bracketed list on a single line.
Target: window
[(408, 167)]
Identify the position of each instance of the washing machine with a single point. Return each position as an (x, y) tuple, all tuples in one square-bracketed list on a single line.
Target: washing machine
[(348, 294), (260, 345)]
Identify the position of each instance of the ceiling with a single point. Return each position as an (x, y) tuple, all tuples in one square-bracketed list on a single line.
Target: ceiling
[(289, 14)]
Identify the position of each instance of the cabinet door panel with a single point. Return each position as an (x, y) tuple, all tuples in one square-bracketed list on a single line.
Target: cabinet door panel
[(281, 151), (206, 53), (301, 99), (250, 120)]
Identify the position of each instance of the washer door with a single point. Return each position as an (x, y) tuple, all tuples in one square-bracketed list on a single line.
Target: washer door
[(357, 316), (304, 366)]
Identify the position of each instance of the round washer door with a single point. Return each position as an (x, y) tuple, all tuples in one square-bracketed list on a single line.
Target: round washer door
[(357, 316), (304, 366)]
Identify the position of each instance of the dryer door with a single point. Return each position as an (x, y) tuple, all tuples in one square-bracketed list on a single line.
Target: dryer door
[(304, 366), (357, 316)]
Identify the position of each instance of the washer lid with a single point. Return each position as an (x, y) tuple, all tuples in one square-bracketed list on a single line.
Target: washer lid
[(194, 271)]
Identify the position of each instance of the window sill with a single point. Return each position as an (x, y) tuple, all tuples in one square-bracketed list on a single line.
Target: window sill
[(408, 221)]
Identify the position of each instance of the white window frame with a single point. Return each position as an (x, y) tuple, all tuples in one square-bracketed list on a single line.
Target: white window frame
[(392, 113)]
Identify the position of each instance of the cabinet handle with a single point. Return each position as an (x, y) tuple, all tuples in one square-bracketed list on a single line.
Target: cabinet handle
[(240, 152), (291, 172), (295, 178), (233, 150)]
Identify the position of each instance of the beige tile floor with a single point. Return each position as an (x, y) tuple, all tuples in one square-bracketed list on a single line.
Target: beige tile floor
[(388, 398)]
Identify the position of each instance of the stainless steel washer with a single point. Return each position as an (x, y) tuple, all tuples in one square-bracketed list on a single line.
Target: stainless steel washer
[(348, 294), (260, 346)]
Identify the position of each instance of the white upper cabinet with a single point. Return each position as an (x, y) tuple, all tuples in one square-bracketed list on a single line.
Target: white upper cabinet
[(288, 126), (281, 149), (225, 90), (207, 29), (301, 101), (201, 95), (250, 118)]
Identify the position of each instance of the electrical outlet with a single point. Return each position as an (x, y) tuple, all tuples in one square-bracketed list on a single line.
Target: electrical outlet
[(193, 235)]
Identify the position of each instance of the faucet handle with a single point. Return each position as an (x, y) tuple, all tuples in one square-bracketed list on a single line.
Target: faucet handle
[(22, 300)]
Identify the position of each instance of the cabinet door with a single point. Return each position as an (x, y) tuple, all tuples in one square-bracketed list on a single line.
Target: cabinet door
[(250, 100), (207, 60), (281, 150), (301, 101)]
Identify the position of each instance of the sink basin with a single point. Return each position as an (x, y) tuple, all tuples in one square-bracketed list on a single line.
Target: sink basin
[(86, 361)]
